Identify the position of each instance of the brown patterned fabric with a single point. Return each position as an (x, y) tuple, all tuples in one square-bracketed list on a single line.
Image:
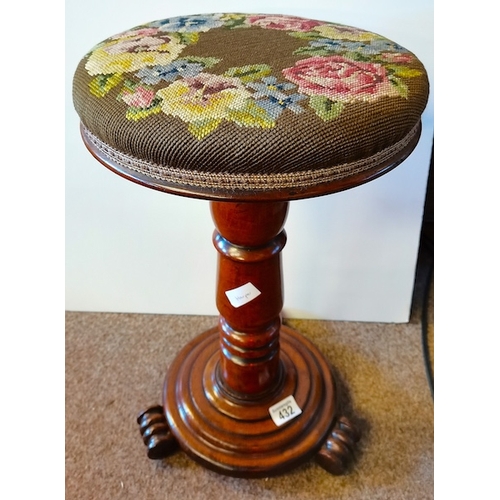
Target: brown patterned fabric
[(220, 103)]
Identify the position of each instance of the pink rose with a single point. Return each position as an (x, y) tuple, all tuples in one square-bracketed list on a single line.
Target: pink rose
[(137, 44), (291, 23), (140, 98), (340, 79), (205, 85), (397, 58), (136, 33)]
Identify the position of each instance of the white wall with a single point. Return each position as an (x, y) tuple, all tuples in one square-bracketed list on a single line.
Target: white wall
[(349, 256)]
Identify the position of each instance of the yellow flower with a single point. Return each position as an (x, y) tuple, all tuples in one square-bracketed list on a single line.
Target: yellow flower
[(102, 84), (132, 53), (203, 97), (233, 17), (338, 31)]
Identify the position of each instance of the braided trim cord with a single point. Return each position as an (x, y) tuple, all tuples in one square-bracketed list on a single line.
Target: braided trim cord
[(247, 181)]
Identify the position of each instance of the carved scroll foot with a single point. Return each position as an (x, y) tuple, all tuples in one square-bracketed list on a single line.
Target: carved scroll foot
[(338, 450), (156, 434)]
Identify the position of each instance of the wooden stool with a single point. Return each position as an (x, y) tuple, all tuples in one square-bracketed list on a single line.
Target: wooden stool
[(250, 112)]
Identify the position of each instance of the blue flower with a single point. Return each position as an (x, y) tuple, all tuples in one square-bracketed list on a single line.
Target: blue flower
[(271, 96), (378, 46), (189, 24), (336, 45), (170, 72), (366, 48), (269, 87), (276, 102)]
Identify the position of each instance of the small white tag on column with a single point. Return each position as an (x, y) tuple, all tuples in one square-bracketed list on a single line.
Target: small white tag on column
[(287, 409), (242, 295)]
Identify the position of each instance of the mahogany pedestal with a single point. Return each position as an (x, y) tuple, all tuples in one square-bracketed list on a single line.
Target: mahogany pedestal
[(219, 390)]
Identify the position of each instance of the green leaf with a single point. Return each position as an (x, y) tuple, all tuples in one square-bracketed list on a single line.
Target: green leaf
[(102, 84), (201, 128), (400, 86), (208, 62), (325, 108), (307, 35), (136, 114), (249, 73), (404, 71), (358, 56), (236, 21), (188, 38), (251, 115), (313, 51)]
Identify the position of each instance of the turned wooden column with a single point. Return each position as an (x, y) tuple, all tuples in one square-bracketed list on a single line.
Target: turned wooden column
[(250, 397), (249, 238)]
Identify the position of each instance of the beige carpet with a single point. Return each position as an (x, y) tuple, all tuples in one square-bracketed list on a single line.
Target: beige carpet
[(115, 366)]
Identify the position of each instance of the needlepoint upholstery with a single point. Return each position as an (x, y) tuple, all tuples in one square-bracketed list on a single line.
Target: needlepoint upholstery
[(229, 105)]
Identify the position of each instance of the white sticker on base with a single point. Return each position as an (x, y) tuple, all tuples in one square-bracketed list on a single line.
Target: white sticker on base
[(285, 410), (242, 295)]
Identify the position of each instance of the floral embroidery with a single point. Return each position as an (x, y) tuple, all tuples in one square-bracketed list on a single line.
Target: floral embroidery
[(340, 32), (359, 50), (249, 73), (102, 84), (285, 23), (205, 100), (132, 51), (340, 79), (190, 24), (170, 72), (141, 99), (339, 65), (270, 86), (271, 96)]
